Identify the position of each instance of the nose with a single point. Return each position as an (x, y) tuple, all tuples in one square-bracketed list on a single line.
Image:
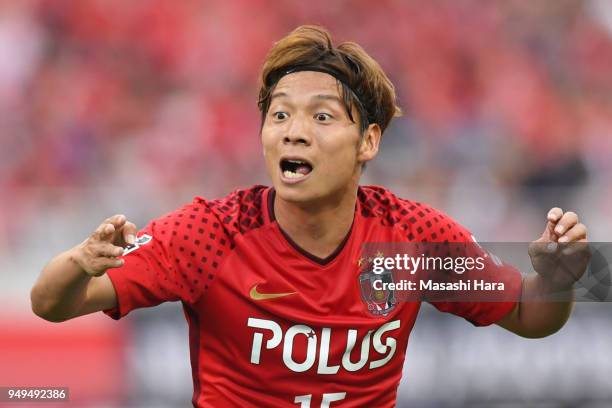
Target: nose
[(297, 132)]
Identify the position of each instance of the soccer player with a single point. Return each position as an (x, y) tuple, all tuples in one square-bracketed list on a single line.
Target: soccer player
[(269, 277)]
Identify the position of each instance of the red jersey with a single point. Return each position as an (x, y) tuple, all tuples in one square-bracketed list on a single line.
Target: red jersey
[(273, 326)]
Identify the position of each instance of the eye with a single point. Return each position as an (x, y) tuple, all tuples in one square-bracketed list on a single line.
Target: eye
[(322, 117), (280, 115)]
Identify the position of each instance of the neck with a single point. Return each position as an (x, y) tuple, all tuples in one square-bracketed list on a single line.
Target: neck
[(318, 228)]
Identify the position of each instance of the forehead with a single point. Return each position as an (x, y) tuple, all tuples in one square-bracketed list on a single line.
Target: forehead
[(308, 83)]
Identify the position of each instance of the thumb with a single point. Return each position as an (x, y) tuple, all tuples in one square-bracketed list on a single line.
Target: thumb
[(129, 233)]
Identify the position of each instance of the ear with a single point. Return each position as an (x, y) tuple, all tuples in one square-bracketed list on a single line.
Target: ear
[(370, 141)]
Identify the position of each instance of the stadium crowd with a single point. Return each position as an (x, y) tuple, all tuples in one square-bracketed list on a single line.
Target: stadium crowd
[(507, 103), (136, 106)]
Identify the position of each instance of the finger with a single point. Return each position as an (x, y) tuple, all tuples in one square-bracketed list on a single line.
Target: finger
[(567, 221), (113, 262), (129, 233), (109, 250), (103, 264), (554, 214), (116, 263), (575, 233), (117, 220), (107, 232), (552, 217), (104, 232)]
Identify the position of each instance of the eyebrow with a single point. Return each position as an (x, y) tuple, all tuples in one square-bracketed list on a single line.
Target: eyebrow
[(328, 98), (324, 97)]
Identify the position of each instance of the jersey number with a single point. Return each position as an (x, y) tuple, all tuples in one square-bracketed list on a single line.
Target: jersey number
[(304, 400)]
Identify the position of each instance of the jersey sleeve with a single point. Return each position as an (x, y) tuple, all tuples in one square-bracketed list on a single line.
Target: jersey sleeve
[(482, 313), (173, 259), (415, 222)]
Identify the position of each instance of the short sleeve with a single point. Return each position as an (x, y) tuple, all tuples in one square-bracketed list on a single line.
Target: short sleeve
[(484, 313), (173, 259), (418, 223)]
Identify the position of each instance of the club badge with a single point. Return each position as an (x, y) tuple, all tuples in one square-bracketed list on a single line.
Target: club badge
[(378, 302)]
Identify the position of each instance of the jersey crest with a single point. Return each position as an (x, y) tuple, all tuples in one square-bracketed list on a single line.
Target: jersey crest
[(378, 302)]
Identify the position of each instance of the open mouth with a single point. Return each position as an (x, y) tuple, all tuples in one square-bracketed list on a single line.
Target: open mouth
[(295, 168)]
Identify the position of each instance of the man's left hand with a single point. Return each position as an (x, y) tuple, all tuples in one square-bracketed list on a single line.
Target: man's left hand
[(561, 255)]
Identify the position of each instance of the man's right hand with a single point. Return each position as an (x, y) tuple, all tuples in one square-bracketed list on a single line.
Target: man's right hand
[(101, 250)]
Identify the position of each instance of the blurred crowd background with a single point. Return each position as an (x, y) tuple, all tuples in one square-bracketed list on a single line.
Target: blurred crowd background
[(134, 107)]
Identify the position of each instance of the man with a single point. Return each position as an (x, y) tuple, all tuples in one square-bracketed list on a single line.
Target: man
[(269, 278)]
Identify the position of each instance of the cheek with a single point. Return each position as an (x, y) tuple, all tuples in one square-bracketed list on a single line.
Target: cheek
[(268, 149), (341, 158), (266, 141)]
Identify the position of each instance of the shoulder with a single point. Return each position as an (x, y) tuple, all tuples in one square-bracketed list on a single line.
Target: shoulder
[(238, 212), (415, 220), (235, 213)]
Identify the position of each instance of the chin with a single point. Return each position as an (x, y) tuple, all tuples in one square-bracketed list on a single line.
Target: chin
[(308, 197), (295, 194)]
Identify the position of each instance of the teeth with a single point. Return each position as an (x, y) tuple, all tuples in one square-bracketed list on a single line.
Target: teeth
[(296, 161), (292, 175)]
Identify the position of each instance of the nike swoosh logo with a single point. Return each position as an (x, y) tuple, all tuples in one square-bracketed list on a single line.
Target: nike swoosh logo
[(255, 295)]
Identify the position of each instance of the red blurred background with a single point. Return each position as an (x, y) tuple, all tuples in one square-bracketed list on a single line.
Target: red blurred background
[(136, 106)]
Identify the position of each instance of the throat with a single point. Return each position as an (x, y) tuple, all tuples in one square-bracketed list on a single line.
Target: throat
[(322, 248), (318, 233)]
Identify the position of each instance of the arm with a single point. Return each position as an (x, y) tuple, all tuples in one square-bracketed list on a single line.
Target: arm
[(560, 257), (74, 283)]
